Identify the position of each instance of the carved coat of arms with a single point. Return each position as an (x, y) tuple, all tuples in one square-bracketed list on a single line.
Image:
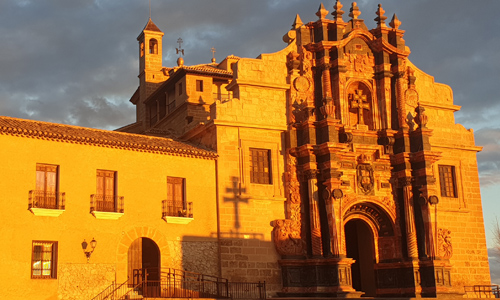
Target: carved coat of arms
[(366, 180)]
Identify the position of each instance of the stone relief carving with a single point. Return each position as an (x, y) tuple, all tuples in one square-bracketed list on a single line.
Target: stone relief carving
[(360, 63), (287, 239), (445, 247), (366, 181)]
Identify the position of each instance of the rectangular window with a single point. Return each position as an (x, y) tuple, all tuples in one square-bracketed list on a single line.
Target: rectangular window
[(447, 181), (46, 192), (44, 259), (260, 166), (106, 191), (176, 204), (199, 85), (180, 88)]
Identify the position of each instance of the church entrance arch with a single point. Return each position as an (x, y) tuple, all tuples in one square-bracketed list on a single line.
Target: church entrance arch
[(143, 261), (360, 246)]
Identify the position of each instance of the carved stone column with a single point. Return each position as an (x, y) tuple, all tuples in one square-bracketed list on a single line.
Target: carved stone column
[(400, 94), (411, 236), (312, 188)]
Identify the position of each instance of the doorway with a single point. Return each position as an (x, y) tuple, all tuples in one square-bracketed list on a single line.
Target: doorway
[(143, 261), (360, 247)]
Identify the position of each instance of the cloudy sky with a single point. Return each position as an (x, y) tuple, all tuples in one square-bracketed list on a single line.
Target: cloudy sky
[(76, 62)]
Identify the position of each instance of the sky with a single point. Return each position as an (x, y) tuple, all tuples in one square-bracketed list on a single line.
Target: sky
[(76, 62)]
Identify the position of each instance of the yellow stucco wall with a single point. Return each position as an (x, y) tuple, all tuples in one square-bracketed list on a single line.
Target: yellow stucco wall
[(141, 178)]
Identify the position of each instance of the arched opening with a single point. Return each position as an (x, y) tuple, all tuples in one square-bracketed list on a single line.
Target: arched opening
[(360, 246), (143, 261), (153, 46)]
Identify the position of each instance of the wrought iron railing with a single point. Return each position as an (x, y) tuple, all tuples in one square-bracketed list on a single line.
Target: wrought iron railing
[(482, 291), (44, 199), (171, 208), (183, 284), (117, 291), (106, 203)]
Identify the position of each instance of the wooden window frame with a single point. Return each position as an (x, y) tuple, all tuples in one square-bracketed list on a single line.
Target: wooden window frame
[(176, 197), (260, 166), (199, 85), (47, 196), (108, 193), (38, 257), (448, 181)]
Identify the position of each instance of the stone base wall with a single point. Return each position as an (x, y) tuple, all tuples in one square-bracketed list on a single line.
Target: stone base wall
[(84, 281)]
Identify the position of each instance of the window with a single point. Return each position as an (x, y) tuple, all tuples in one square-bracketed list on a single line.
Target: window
[(142, 49), (106, 187), (180, 88), (46, 193), (176, 201), (447, 181), (153, 46), (199, 85), (44, 259), (260, 166)]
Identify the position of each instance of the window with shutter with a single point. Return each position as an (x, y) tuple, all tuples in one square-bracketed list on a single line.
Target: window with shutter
[(447, 181), (46, 192), (44, 260), (105, 193), (176, 205)]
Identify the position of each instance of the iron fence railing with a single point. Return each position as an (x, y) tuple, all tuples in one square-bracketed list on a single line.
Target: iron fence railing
[(171, 208), (176, 283), (45, 199), (482, 291), (106, 203), (117, 291)]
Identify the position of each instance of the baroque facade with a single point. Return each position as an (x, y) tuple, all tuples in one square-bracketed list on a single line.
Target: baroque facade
[(333, 167)]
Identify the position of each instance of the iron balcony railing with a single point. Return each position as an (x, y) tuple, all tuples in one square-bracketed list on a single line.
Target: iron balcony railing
[(171, 208), (106, 203), (44, 199)]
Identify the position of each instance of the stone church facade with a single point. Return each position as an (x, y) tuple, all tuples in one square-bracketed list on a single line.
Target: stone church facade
[(333, 167)]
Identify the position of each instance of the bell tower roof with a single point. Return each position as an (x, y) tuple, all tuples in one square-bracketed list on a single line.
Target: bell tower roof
[(151, 26)]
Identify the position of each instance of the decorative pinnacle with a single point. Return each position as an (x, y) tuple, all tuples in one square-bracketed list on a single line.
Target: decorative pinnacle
[(354, 11), (322, 12), (380, 19), (213, 55), (395, 22), (337, 14), (297, 22)]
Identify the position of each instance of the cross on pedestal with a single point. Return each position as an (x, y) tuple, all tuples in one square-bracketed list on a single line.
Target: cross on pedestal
[(359, 101)]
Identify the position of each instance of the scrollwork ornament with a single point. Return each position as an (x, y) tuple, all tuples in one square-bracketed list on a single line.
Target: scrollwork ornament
[(287, 239), (445, 247)]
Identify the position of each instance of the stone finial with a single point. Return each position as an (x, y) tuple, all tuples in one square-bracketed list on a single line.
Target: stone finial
[(395, 22), (337, 14), (380, 19), (322, 12), (354, 11), (180, 61), (297, 22)]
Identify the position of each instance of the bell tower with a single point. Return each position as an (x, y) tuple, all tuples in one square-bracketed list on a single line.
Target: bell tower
[(150, 64)]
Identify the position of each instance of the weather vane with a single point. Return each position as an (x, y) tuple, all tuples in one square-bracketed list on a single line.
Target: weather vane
[(213, 54), (179, 50)]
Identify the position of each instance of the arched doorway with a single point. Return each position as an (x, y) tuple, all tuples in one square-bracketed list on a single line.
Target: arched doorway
[(143, 261), (360, 246)]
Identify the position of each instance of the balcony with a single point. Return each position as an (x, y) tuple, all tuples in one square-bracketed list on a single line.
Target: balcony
[(107, 207), (44, 203), (221, 96), (174, 212)]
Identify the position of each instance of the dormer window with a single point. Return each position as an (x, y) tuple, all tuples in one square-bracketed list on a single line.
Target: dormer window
[(153, 46)]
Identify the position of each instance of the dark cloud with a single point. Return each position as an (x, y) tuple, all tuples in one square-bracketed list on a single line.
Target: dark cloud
[(494, 260)]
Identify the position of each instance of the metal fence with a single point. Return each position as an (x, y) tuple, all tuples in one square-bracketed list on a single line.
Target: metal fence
[(482, 291), (46, 199)]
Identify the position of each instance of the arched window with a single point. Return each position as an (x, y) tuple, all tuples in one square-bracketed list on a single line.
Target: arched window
[(142, 49), (153, 46)]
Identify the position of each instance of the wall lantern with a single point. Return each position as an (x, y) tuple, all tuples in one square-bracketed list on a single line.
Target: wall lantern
[(93, 243)]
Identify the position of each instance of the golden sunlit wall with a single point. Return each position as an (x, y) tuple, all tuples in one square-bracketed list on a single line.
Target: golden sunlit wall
[(141, 179)]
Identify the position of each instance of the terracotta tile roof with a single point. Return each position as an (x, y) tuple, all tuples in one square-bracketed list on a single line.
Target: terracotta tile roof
[(151, 26), (208, 68), (101, 138)]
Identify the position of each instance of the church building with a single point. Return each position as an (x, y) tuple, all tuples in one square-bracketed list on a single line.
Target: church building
[(333, 167)]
